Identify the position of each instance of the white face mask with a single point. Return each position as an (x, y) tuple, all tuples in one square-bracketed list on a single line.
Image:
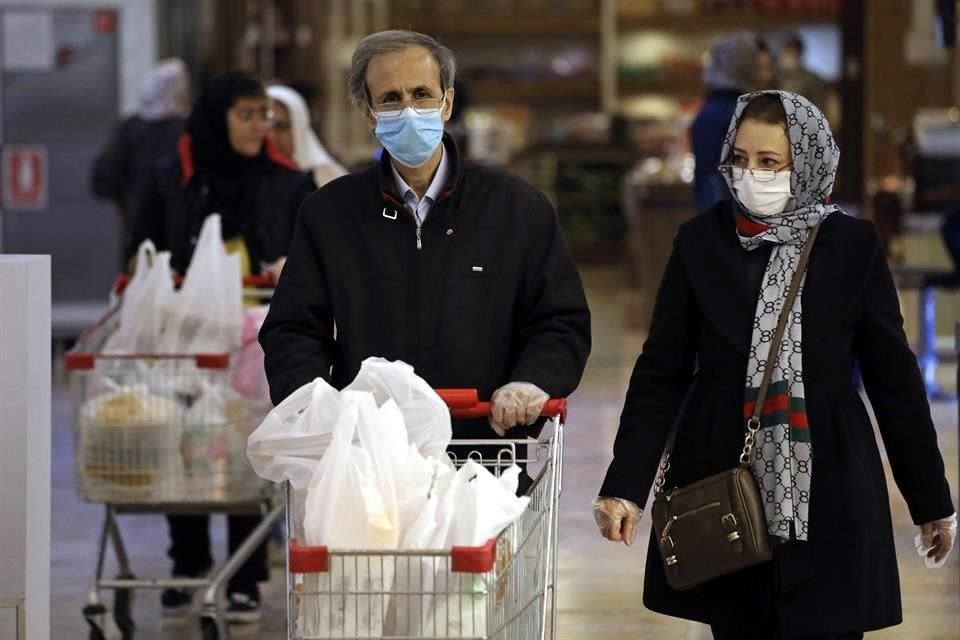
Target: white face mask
[(764, 199)]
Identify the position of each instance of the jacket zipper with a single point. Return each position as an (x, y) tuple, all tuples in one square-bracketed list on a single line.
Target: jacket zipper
[(685, 514)]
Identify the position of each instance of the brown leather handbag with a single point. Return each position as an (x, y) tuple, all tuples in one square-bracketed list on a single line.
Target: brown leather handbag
[(717, 526)]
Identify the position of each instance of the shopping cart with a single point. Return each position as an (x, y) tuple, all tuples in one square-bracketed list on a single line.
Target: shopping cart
[(503, 590), (162, 434)]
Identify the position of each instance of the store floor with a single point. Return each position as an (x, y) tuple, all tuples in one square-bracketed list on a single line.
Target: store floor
[(600, 583)]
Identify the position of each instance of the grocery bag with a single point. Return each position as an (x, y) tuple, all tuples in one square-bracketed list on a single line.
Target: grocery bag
[(207, 312), (249, 377), (144, 305), (350, 505)]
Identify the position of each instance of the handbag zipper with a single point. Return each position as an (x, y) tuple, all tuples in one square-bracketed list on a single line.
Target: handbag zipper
[(685, 514)]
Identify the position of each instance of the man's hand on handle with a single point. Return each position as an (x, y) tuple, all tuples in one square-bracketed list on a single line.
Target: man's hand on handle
[(515, 404)]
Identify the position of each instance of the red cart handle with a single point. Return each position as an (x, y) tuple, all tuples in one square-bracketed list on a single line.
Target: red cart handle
[(465, 403), (250, 282)]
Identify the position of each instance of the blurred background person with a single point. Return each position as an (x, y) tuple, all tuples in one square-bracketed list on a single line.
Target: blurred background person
[(766, 74), (730, 71), (225, 164), (296, 139), (121, 170), (795, 77)]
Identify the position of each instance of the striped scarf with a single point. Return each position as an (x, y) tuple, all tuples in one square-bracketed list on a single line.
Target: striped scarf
[(782, 460)]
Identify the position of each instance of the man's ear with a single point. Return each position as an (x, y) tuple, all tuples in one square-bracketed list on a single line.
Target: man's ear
[(368, 113), (448, 103)]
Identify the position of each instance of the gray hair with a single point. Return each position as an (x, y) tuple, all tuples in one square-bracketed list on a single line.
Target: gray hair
[(385, 42)]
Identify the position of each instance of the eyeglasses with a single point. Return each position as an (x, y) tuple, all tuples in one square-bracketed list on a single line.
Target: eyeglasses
[(736, 173), (246, 116), (394, 108)]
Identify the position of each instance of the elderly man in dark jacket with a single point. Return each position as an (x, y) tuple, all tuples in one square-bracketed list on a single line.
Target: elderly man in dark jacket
[(457, 269)]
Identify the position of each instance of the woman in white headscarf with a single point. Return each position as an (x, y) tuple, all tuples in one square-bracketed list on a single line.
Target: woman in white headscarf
[(295, 138)]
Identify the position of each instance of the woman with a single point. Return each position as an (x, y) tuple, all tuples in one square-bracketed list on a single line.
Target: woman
[(225, 165), (295, 139), (834, 570)]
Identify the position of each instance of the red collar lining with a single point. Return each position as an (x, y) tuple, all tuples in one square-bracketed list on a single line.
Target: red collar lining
[(188, 168)]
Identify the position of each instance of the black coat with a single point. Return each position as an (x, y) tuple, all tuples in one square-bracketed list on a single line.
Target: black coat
[(491, 297), (176, 202), (845, 577), (122, 170)]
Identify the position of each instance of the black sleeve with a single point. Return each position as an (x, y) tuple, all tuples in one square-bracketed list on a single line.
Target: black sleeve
[(660, 380), (895, 387), (109, 178), (297, 335), (553, 321), (147, 221)]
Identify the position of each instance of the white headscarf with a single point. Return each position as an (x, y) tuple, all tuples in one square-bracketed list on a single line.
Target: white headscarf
[(166, 91), (308, 153)]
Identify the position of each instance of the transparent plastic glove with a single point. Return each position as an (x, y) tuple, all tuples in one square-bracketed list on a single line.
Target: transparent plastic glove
[(617, 519), (514, 404), (273, 269), (936, 540)]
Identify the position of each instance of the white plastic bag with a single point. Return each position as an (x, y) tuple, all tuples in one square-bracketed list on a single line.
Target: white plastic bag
[(207, 311), (215, 431), (425, 414), (145, 304), (350, 505), (467, 508)]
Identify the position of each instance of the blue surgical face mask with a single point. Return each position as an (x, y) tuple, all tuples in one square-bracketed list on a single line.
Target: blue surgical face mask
[(411, 138)]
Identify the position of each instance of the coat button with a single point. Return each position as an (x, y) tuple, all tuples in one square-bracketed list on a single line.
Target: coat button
[(449, 232)]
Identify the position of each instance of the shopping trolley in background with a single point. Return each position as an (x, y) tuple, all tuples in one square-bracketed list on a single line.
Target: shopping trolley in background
[(159, 433), (504, 590)]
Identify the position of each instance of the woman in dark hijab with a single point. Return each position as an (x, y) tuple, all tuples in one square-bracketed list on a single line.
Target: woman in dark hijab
[(225, 164)]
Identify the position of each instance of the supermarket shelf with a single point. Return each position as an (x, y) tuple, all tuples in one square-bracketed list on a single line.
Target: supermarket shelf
[(684, 87), (474, 23), (757, 21), (534, 90)]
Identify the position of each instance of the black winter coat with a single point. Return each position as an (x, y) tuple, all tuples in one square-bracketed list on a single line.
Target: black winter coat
[(176, 202), (492, 295), (122, 170), (844, 579)]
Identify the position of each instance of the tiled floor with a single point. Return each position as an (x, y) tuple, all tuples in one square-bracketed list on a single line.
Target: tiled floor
[(599, 583)]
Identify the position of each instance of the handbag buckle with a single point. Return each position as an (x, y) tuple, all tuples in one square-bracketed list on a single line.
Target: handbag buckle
[(729, 522)]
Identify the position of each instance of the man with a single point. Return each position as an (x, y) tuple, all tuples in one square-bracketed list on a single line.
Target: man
[(454, 268)]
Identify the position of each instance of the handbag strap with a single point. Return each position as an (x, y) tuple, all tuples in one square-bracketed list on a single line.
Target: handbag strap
[(753, 424)]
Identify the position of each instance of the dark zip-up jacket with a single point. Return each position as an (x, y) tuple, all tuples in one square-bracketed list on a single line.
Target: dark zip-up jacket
[(483, 294), (176, 202)]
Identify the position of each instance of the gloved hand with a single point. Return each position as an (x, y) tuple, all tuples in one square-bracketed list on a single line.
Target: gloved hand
[(936, 540), (273, 269), (514, 404), (617, 518)]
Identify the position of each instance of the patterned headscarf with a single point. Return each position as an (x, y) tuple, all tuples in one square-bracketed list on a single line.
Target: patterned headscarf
[(782, 458)]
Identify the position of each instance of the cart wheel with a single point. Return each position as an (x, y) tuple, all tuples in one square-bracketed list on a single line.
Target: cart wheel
[(122, 600), (94, 614), (208, 629)]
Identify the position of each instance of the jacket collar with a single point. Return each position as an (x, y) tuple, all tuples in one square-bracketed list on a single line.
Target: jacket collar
[(717, 266), (188, 169), (388, 185)]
